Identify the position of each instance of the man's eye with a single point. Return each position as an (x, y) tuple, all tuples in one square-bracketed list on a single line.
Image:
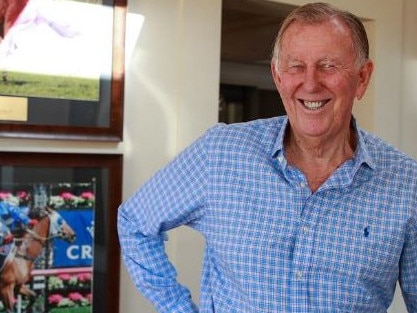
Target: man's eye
[(295, 68), (327, 66)]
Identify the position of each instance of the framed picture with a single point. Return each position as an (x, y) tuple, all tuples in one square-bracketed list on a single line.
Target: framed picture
[(63, 230), (62, 69)]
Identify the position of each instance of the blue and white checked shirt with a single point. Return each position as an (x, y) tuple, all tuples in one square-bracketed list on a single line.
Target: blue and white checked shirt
[(271, 244)]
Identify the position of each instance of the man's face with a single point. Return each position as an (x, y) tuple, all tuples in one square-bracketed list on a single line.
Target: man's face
[(318, 78)]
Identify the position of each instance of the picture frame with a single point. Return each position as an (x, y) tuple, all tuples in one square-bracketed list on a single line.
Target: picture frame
[(20, 171), (65, 117)]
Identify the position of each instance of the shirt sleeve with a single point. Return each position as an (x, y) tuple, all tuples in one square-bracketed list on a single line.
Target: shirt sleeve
[(174, 196), (408, 268)]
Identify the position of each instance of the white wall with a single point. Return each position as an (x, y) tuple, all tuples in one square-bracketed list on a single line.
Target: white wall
[(171, 98), (409, 90)]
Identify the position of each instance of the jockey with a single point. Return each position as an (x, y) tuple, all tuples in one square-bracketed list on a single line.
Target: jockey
[(16, 219), (5, 236)]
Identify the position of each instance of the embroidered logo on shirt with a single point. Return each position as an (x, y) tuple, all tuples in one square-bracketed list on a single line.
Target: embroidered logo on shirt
[(366, 231)]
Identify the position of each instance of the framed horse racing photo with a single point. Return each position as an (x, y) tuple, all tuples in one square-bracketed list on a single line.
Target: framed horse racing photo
[(62, 69), (59, 251)]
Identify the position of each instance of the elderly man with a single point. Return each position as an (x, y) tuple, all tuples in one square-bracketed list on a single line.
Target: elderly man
[(302, 213)]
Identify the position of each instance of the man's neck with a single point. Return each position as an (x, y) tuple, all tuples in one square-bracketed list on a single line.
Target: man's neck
[(318, 158)]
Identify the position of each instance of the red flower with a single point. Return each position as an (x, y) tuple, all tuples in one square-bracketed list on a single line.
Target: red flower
[(89, 297), (23, 195), (4, 195), (55, 298), (67, 196), (83, 277), (64, 277), (88, 195), (75, 296)]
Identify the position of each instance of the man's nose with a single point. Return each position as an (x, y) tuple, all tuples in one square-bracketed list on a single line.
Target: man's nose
[(311, 79)]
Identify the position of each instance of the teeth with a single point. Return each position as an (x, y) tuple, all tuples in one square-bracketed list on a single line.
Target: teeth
[(314, 105)]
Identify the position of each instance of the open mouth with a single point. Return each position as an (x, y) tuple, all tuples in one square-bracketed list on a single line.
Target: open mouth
[(313, 105)]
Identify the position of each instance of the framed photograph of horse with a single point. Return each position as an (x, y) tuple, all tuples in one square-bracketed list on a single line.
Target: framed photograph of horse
[(59, 251), (62, 69)]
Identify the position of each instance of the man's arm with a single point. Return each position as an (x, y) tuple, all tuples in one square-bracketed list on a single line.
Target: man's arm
[(151, 271), (172, 197), (408, 268)]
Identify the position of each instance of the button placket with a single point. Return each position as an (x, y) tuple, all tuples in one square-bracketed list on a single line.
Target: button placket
[(304, 242)]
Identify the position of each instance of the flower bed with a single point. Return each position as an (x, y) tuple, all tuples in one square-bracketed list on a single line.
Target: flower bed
[(69, 290)]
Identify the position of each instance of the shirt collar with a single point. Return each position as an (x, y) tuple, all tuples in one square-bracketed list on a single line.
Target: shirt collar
[(278, 148), (361, 156)]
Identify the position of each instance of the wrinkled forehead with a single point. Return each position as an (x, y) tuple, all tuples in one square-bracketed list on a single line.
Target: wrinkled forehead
[(334, 26), (330, 38)]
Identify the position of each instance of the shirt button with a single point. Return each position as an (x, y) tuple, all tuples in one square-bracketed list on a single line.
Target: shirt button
[(306, 229), (299, 275)]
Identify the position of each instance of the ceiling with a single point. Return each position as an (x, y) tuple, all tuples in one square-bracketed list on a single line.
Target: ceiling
[(249, 28)]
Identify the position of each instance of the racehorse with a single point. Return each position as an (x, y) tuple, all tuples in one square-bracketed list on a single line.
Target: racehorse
[(19, 264)]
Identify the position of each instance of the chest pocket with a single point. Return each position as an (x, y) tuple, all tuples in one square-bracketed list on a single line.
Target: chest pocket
[(358, 267), (337, 293)]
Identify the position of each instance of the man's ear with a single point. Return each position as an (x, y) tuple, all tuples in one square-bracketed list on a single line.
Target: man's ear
[(365, 74), (275, 74)]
